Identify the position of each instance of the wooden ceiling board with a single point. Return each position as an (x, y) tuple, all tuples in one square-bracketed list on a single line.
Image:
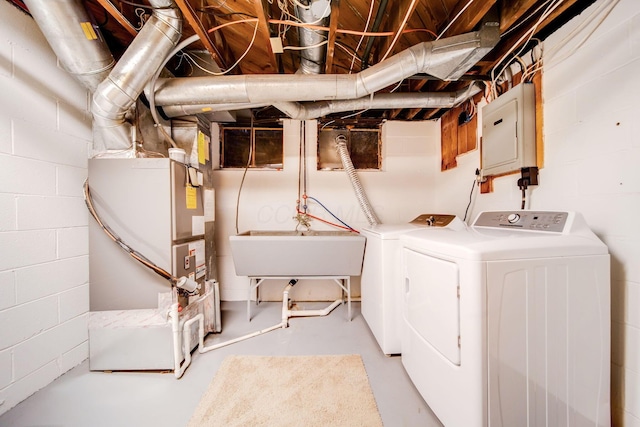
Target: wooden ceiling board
[(120, 21), (513, 10)]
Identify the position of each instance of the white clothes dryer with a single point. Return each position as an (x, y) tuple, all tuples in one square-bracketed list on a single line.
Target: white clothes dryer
[(507, 322), (381, 279)]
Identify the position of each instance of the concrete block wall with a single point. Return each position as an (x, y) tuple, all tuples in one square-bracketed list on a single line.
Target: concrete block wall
[(591, 165), (45, 132)]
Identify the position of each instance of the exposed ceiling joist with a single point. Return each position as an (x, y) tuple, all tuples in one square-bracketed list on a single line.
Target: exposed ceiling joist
[(115, 13)]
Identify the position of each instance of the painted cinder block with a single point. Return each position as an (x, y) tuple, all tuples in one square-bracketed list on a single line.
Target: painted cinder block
[(28, 320), (6, 368), (37, 142), (61, 212), (26, 176), (51, 278), (25, 387), (74, 357), (73, 241), (74, 302), (48, 346), (7, 212), (7, 289), (70, 181), (27, 248)]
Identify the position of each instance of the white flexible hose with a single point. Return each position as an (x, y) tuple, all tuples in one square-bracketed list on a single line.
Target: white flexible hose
[(347, 164)]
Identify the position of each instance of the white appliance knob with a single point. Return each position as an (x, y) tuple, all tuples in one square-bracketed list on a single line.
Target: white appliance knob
[(513, 218)]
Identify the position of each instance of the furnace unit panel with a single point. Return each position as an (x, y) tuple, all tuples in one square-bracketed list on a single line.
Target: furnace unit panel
[(151, 206)]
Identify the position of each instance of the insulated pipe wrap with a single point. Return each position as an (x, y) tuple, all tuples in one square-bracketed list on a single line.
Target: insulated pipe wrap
[(63, 23), (145, 55), (446, 59), (313, 110), (341, 146)]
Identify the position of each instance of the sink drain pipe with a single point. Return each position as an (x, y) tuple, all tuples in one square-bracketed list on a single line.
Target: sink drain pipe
[(180, 368)]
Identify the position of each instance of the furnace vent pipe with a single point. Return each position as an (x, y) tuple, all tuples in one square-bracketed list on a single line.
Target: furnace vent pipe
[(77, 43), (313, 110), (312, 58), (341, 146), (446, 59), (145, 55)]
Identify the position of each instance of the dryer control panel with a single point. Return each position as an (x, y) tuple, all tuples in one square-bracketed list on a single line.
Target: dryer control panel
[(524, 220)]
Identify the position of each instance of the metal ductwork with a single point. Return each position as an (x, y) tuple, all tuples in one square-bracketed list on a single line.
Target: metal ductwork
[(142, 59), (311, 58), (83, 53), (190, 110), (446, 59), (314, 110), (77, 43)]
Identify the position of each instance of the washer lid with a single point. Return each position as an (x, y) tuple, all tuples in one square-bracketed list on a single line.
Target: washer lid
[(388, 231), (393, 231)]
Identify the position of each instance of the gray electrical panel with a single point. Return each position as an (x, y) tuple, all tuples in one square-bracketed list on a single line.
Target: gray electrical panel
[(156, 208), (509, 131)]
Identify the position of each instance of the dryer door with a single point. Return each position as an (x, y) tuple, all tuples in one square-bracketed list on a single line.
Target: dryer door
[(432, 302)]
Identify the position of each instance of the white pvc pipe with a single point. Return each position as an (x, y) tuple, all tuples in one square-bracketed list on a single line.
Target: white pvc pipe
[(311, 313), (180, 368)]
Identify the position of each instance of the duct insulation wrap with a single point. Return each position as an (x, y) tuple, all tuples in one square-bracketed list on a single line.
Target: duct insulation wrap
[(347, 164), (74, 38), (145, 55)]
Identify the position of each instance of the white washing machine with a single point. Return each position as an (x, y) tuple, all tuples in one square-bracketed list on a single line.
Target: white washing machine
[(381, 279), (507, 322)]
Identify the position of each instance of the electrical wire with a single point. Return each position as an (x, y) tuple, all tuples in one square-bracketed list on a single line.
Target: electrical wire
[(133, 253), (347, 226), (244, 174), (603, 10), (466, 211), (400, 28), (366, 26), (527, 35), (455, 18), (305, 47)]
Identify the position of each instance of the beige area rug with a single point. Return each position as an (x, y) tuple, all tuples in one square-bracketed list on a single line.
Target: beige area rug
[(285, 391)]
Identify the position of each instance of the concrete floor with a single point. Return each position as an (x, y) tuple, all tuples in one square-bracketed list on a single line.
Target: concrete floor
[(82, 398)]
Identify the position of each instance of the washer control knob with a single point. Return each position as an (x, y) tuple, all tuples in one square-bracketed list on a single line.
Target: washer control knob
[(513, 218)]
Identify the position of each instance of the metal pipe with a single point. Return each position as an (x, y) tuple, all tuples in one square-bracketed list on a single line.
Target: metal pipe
[(313, 110), (77, 43), (447, 59), (115, 95), (311, 59), (376, 24), (190, 110)]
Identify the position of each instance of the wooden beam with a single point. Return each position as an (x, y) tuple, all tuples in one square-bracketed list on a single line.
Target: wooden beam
[(195, 23), (262, 7), (115, 13), (397, 23), (468, 19), (331, 45), (412, 113), (394, 113), (506, 44), (511, 11)]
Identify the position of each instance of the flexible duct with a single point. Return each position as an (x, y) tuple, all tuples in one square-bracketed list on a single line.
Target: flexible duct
[(78, 44), (341, 146), (145, 55), (446, 59)]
